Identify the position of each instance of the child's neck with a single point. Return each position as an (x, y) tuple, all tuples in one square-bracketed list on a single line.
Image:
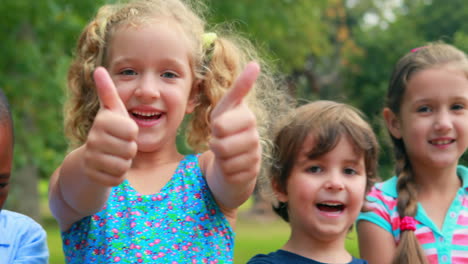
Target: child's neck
[(152, 160), (436, 180), (150, 172), (326, 251)]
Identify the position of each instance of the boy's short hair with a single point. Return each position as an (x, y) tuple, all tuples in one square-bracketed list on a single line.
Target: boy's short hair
[(327, 122), (5, 112)]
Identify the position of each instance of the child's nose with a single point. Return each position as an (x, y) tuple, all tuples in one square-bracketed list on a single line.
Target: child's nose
[(443, 121), (334, 182), (147, 88)]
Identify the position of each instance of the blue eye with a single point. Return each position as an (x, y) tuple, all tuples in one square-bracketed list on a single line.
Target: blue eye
[(350, 171), (314, 169), (169, 75), (458, 107), (128, 72), (424, 109)]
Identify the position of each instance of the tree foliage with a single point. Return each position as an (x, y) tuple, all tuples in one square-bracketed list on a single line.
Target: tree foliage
[(328, 50)]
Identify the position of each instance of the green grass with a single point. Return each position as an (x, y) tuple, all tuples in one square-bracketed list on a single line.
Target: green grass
[(253, 236)]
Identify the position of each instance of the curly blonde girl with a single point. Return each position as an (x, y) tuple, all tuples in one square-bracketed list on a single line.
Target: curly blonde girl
[(214, 67)]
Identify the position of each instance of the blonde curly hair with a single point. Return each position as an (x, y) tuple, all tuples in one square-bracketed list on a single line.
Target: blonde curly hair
[(215, 74)]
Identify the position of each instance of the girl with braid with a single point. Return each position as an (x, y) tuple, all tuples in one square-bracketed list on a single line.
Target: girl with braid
[(125, 194), (421, 214)]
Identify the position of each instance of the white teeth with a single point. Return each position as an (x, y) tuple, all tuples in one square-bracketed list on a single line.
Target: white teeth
[(331, 204), (145, 114), (441, 142)]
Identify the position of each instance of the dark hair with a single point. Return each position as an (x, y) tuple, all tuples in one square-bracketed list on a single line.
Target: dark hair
[(429, 56), (327, 122), (5, 112)]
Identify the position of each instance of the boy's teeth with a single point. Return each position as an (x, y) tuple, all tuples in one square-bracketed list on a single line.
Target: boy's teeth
[(331, 204), (441, 142)]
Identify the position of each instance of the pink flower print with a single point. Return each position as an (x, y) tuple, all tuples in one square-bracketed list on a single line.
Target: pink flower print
[(159, 198), (205, 261), (157, 241), (174, 230), (198, 195), (132, 246), (140, 260), (138, 247), (138, 255), (148, 223), (132, 224), (116, 259), (96, 217), (121, 198), (185, 199), (189, 244), (188, 218), (194, 261), (184, 248), (161, 254), (139, 199), (207, 234), (148, 252), (119, 214), (175, 246), (195, 249), (67, 242), (96, 251), (157, 224), (115, 231)]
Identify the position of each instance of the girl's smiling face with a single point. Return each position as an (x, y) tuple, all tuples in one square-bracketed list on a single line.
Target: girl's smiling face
[(326, 193), (150, 66), (433, 118)]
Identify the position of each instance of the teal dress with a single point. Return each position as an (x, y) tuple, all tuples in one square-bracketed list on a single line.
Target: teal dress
[(180, 224)]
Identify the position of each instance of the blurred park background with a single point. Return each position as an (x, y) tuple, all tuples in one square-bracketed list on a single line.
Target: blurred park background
[(337, 49)]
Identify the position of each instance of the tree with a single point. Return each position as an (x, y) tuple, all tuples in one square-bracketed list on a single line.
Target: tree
[(34, 62), (415, 23)]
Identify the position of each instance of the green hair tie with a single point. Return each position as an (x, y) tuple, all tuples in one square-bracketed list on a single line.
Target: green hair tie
[(208, 40)]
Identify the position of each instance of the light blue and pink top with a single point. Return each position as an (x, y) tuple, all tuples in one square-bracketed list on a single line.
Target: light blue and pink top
[(449, 245), (180, 224)]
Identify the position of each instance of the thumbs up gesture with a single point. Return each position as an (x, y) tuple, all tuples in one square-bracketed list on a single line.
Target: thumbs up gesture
[(235, 142), (111, 143)]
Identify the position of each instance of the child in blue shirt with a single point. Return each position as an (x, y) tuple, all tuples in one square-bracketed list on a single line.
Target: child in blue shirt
[(22, 240), (324, 163)]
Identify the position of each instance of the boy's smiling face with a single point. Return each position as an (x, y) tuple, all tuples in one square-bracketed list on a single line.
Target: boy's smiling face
[(6, 160), (325, 194)]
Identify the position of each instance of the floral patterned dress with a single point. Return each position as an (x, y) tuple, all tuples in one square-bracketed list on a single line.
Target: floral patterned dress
[(180, 224)]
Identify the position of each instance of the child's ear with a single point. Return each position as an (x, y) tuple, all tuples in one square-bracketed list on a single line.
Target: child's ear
[(194, 97), (392, 122), (280, 193)]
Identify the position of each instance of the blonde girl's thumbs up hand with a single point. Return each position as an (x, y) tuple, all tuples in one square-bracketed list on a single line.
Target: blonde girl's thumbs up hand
[(235, 142), (111, 143)]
